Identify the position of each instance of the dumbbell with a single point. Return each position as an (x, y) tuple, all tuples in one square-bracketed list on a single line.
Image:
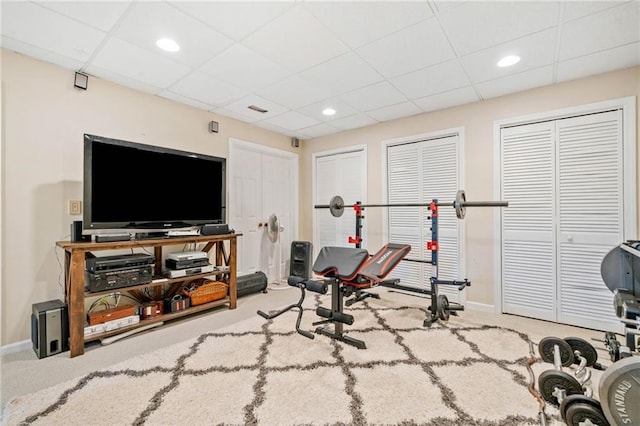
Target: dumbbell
[(560, 388)]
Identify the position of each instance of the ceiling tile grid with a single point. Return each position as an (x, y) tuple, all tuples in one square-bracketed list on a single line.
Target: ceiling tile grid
[(371, 61)]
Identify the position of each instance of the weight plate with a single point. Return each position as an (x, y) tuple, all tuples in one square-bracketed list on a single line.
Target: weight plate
[(545, 348), (585, 348), (619, 392), (443, 307), (336, 206), (580, 414), (575, 399), (550, 381), (461, 210)]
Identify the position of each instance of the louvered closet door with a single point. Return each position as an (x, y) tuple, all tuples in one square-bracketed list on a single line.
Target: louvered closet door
[(417, 173), (590, 196), (564, 183), (528, 252), (341, 174)]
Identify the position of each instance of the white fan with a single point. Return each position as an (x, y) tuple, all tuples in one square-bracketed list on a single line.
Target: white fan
[(273, 228)]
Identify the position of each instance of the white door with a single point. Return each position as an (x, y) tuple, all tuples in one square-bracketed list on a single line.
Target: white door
[(418, 172), (343, 174), (564, 183), (263, 182)]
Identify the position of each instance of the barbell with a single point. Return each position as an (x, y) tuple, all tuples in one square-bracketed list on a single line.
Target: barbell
[(460, 204)]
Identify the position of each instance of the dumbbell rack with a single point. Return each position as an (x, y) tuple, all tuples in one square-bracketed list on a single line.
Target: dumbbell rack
[(440, 307)]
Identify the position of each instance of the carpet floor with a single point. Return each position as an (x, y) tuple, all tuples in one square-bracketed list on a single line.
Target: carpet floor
[(261, 372)]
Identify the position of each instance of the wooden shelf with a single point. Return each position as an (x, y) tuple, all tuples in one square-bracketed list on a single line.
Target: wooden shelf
[(75, 294), (160, 318)]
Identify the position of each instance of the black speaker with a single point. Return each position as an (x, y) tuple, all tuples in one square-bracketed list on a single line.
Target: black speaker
[(251, 283), (214, 229), (76, 233), (300, 265), (49, 328)]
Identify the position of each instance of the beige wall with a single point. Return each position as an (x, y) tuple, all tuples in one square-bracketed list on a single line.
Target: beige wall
[(44, 118), (477, 120)]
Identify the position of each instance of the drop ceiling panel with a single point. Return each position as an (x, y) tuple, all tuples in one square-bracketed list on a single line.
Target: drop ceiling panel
[(342, 74), (41, 54), (319, 130), (207, 89), (353, 122), (292, 120), (449, 99), (244, 68), (164, 21), (609, 60), (429, 81), (516, 83), (40, 27), (477, 25), (358, 23), (184, 100), (99, 14), (127, 81), (596, 32), (241, 106), (296, 40), (374, 97), (392, 112), (236, 19), (578, 9), (294, 92), (315, 110), (535, 50), (412, 48), (132, 61)]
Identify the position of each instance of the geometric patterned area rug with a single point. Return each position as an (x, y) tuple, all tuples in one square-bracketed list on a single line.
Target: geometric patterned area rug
[(261, 372)]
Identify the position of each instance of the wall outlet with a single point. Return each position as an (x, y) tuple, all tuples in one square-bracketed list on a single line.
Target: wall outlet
[(75, 207)]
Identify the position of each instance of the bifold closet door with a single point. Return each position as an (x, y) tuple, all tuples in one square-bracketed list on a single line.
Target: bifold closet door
[(418, 172), (564, 183), (341, 174), (591, 215)]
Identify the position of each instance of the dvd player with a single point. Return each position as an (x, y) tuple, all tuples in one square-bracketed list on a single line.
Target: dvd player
[(188, 255), (177, 273), (132, 260)]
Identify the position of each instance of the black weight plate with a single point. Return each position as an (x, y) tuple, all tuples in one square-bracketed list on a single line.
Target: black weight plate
[(619, 391), (577, 399), (545, 348), (443, 307), (585, 348), (549, 380), (579, 414)]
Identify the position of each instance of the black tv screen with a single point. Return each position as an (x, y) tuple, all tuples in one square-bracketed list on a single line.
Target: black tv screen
[(128, 185)]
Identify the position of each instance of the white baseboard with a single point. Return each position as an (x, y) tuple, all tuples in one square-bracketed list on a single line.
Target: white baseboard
[(475, 306), (15, 347)]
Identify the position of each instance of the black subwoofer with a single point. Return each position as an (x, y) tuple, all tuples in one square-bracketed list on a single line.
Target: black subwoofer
[(300, 266)]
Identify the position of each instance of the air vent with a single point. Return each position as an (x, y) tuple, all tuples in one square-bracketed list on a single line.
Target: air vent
[(255, 108)]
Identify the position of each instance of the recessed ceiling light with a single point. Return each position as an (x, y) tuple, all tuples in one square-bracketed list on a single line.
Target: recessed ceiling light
[(328, 111), (507, 61), (168, 45)]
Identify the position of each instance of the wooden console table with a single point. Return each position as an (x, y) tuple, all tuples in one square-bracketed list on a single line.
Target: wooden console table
[(75, 293)]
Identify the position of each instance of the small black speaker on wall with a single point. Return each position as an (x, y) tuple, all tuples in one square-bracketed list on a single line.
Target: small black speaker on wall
[(300, 266), (76, 233)]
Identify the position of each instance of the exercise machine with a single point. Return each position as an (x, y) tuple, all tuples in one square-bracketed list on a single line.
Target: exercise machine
[(439, 308), (349, 271)]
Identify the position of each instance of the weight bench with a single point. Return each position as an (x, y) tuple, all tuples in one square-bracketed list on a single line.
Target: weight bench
[(349, 271)]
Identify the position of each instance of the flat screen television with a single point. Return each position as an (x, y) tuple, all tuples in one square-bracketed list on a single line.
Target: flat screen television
[(130, 186)]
